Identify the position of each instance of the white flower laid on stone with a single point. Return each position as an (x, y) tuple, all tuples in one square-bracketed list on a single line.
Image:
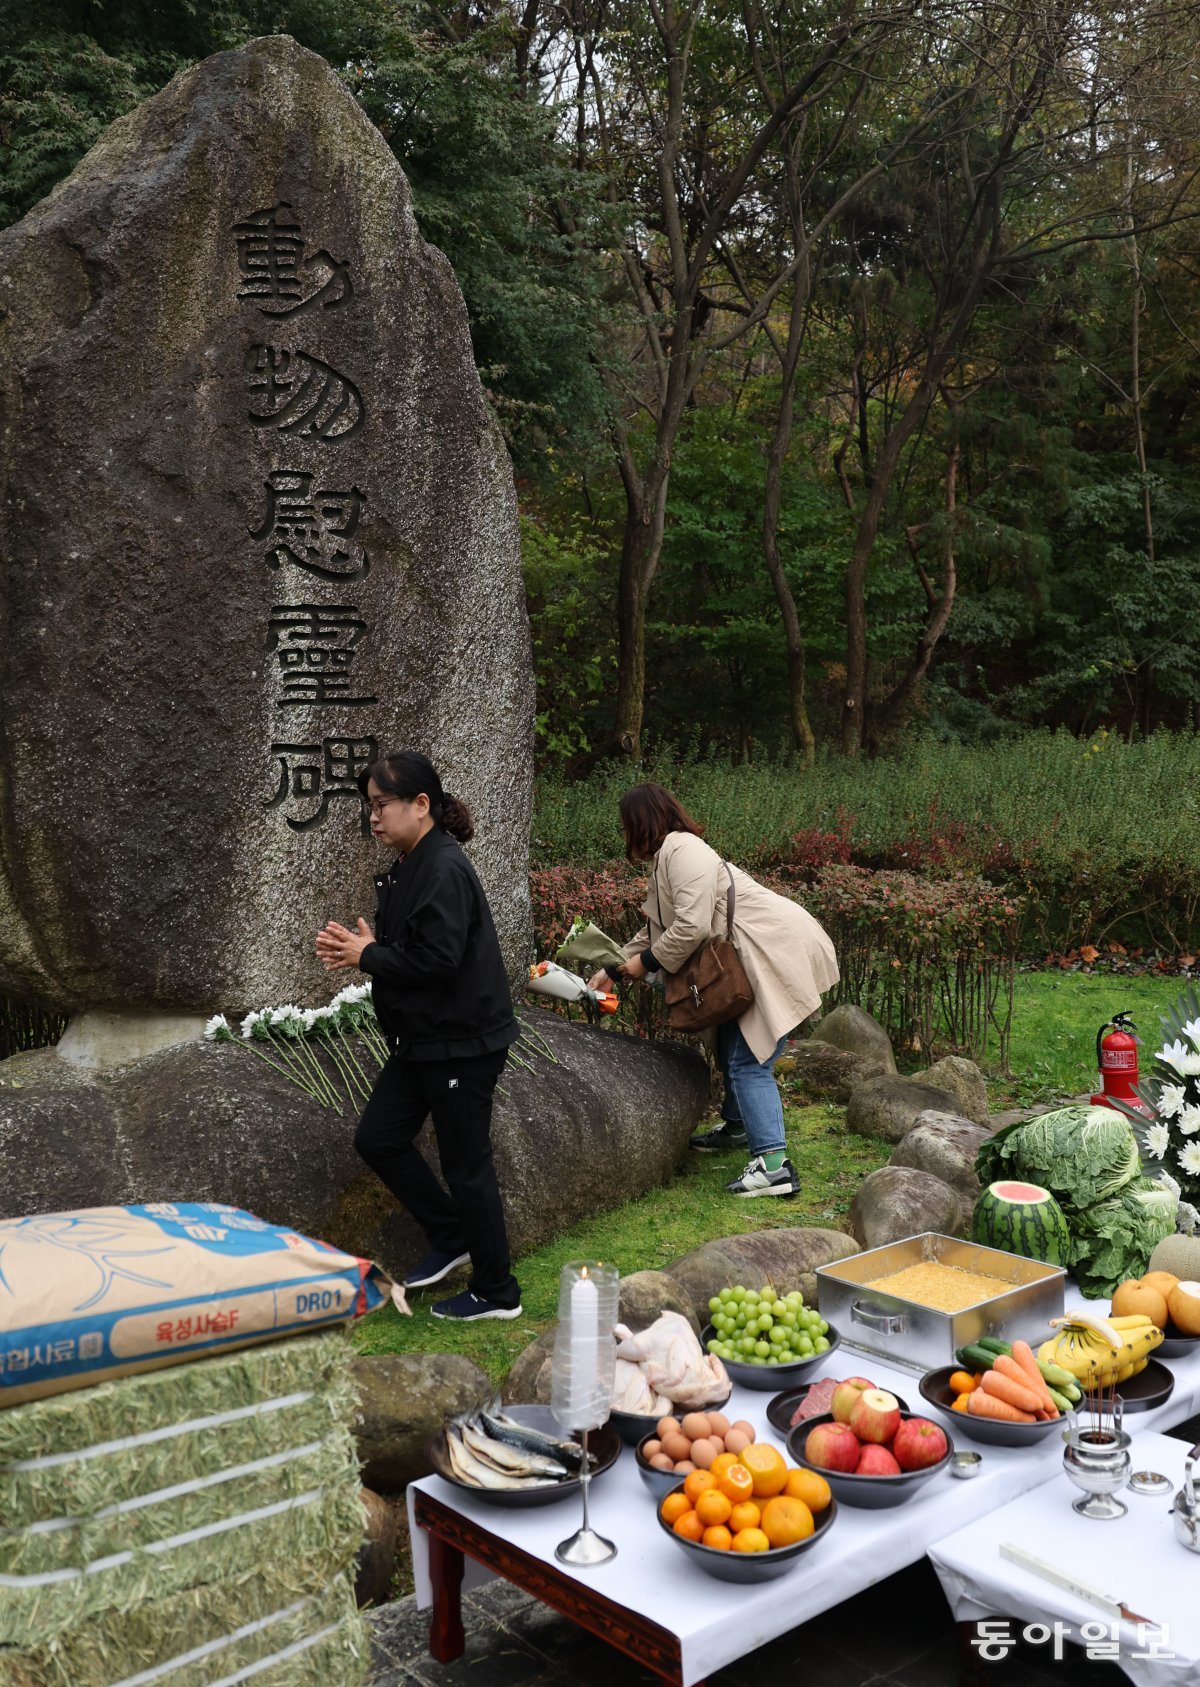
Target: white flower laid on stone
[(217, 1030)]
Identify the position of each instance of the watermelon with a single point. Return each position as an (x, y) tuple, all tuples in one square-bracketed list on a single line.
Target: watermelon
[(1022, 1218)]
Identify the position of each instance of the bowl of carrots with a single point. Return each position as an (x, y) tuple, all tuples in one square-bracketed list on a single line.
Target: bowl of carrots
[(1008, 1405)]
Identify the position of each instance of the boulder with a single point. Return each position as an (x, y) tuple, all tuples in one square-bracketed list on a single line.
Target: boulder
[(963, 1080), (258, 526), (528, 1381), (897, 1201), (945, 1144), (610, 1114), (403, 1399), (375, 1561), (853, 1029), (787, 1258), (646, 1295), (827, 1073), (887, 1107)]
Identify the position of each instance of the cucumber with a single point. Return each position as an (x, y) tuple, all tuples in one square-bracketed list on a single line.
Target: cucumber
[(975, 1358), (993, 1344), (1056, 1377), (1060, 1400)]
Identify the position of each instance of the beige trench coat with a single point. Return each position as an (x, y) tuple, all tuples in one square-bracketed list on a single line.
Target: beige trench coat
[(788, 957)]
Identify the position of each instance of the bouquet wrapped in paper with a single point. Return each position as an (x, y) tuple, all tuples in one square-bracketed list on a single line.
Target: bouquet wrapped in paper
[(547, 978), (587, 945)]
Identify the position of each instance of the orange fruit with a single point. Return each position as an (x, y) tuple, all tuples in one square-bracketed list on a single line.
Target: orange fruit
[(751, 1540), (713, 1507), (736, 1483), (767, 1468), (722, 1463), (696, 1482), (689, 1526), (718, 1536), (806, 1485), (745, 1516), (674, 1507), (785, 1521)]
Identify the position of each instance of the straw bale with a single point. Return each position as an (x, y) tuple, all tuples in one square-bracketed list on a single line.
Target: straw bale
[(231, 1628), (327, 1522)]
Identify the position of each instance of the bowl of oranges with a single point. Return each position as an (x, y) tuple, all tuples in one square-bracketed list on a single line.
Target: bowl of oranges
[(748, 1518)]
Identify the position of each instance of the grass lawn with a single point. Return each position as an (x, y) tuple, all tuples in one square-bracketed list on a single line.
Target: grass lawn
[(1055, 1019)]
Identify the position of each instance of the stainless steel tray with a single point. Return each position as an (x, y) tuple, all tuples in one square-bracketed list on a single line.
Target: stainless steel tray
[(917, 1337)]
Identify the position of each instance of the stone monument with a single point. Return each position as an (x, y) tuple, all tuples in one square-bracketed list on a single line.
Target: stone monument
[(257, 526)]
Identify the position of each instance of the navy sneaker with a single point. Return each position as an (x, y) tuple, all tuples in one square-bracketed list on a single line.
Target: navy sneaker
[(469, 1306), (726, 1137), (436, 1265)]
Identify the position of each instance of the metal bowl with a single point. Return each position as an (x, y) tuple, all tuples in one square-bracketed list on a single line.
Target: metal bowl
[(782, 1407), (750, 1567), (634, 1427), (767, 1377), (1175, 1345), (872, 1493), (604, 1443), (935, 1388)]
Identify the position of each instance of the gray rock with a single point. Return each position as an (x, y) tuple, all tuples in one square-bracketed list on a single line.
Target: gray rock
[(210, 1122), (256, 520), (945, 1145), (853, 1029), (375, 1561), (788, 1259), (403, 1399), (827, 1073), (964, 1081), (897, 1201), (887, 1107), (646, 1295), (528, 1382)]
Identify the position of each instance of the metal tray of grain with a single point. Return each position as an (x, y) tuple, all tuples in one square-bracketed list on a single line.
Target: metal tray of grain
[(918, 1337)]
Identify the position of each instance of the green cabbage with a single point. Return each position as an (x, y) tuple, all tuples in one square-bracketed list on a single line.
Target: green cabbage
[(1081, 1154), (1112, 1240)]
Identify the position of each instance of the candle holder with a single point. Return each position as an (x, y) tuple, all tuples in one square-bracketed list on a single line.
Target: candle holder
[(582, 1380)]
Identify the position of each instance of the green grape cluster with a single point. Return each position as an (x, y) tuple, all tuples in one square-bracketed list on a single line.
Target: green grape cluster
[(760, 1327)]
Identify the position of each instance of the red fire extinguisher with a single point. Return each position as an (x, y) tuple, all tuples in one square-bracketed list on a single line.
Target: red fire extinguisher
[(1116, 1056)]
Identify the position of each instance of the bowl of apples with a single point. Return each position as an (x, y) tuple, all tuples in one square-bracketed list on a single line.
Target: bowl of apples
[(872, 1453)]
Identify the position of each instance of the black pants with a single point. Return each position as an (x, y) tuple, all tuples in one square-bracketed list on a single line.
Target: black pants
[(458, 1095)]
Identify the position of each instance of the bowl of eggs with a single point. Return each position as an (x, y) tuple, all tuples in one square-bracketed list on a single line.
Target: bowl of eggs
[(678, 1445)]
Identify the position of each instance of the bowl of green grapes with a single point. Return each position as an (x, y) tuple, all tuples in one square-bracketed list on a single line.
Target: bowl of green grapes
[(766, 1340)]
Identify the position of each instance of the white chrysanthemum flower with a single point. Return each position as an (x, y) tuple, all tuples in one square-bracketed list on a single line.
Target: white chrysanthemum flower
[(1189, 1158), (1174, 1054), (1170, 1099), (217, 1023), (1189, 1120), (1158, 1140), (248, 1024), (1190, 1066)]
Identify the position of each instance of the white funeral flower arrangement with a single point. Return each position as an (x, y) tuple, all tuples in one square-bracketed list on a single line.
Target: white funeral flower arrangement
[(1169, 1138)]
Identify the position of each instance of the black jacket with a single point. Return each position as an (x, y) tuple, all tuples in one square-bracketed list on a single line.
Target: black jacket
[(437, 975)]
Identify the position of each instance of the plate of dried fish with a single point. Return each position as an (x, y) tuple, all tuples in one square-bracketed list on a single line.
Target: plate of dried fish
[(518, 1455)]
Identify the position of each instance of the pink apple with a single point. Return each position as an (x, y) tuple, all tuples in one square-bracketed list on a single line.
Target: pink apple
[(876, 1461), (832, 1446), (876, 1415), (918, 1444), (845, 1395)]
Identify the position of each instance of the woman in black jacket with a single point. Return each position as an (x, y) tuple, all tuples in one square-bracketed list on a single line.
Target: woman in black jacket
[(442, 1000)]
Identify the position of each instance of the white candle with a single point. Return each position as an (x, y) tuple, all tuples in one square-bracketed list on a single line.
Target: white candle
[(585, 1343)]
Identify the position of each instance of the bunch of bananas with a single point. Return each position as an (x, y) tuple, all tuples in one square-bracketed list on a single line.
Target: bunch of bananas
[(1101, 1351)]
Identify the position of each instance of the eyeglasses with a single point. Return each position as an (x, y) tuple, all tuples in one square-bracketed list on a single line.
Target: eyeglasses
[(376, 805)]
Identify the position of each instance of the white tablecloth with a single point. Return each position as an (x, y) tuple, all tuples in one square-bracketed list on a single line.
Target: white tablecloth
[(1135, 1558)]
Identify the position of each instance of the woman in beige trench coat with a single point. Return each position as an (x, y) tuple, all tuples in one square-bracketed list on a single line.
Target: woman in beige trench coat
[(788, 959)]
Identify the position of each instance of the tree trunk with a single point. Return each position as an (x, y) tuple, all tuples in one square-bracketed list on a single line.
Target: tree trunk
[(939, 608)]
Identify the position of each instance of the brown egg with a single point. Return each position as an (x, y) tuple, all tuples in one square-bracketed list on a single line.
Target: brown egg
[(649, 1448), (677, 1446), (684, 1467), (666, 1426), (747, 1429), (695, 1426), (718, 1424), (735, 1441), (717, 1442), (660, 1461), (703, 1453)]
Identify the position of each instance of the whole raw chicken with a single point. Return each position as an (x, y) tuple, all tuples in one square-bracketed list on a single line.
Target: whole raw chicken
[(672, 1364)]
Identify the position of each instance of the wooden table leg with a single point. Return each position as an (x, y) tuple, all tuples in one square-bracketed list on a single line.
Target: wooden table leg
[(972, 1669), (446, 1639)]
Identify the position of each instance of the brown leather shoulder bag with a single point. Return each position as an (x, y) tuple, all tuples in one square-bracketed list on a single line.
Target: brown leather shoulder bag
[(711, 986)]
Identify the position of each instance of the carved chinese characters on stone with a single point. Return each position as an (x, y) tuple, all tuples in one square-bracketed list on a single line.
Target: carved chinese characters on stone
[(312, 530), (299, 394), (270, 249), (320, 772), (314, 646)]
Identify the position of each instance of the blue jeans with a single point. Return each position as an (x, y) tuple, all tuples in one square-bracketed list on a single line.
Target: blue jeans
[(751, 1093)]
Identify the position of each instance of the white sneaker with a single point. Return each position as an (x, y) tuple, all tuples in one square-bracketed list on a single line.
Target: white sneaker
[(757, 1180)]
